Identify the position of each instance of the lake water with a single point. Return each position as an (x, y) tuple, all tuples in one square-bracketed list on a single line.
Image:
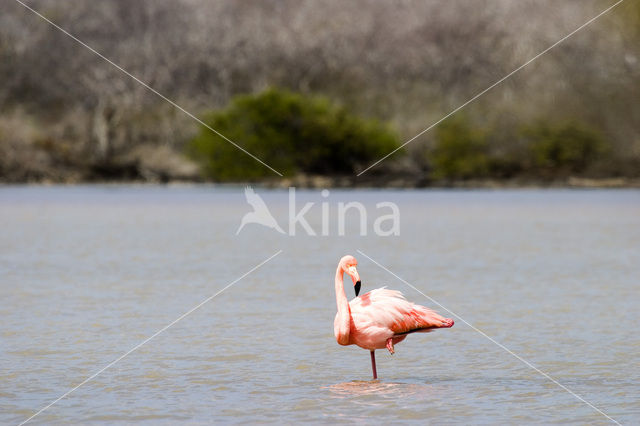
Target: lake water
[(89, 272)]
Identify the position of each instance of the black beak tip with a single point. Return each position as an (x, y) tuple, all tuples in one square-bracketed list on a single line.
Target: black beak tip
[(357, 288)]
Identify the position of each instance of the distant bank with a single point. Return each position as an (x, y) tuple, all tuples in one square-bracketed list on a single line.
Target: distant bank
[(313, 182)]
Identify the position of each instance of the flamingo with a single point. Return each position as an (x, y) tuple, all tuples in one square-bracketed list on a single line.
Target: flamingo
[(380, 318)]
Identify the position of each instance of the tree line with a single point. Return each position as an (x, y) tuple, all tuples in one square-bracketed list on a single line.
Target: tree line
[(67, 115)]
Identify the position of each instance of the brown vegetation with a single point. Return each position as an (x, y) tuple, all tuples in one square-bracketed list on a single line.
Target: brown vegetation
[(67, 115)]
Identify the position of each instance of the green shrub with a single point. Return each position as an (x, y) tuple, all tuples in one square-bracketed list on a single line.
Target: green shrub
[(292, 133), (563, 149), (460, 151)]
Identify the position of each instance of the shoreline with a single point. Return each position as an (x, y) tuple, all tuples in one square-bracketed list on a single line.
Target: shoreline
[(349, 182)]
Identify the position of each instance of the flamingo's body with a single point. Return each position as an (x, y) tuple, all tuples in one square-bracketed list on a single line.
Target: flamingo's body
[(380, 318)]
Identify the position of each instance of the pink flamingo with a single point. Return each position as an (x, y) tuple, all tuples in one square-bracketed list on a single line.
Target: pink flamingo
[(378, 319)]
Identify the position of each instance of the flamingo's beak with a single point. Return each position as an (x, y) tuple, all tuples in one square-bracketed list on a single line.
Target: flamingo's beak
[(353, 273)]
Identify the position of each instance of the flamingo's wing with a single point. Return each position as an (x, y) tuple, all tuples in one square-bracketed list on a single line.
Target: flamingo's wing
[(255, 201), (389, 308)]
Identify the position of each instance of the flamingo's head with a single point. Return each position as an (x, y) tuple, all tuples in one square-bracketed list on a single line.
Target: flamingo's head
[(349, 264)]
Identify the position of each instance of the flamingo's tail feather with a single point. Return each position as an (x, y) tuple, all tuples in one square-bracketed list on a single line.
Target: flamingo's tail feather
[(421, 319)]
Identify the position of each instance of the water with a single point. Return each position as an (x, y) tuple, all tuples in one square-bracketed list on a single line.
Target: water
[(87, 273)]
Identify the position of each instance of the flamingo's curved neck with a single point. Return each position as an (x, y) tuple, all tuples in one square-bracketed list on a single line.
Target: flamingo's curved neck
[(343, 320), (341, 297)]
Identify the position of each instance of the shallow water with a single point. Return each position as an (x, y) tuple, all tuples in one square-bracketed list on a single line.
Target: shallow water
[(87, 273)]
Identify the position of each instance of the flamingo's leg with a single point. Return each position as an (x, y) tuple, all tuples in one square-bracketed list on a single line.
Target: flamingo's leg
[(390, 345), (373, 365)]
